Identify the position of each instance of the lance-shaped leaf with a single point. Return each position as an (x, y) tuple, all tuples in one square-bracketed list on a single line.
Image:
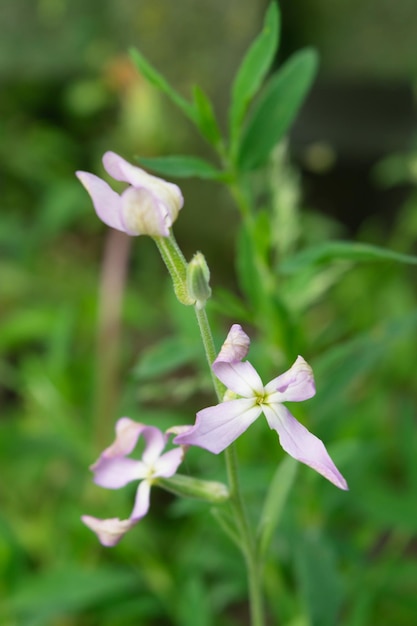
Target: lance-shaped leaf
[(253, 69), (182, 166), (205, 117), (157, 80), (276, 109), (342, 250)]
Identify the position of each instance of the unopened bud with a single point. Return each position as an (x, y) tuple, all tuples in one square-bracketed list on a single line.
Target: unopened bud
[(198, 278), (189, 487)]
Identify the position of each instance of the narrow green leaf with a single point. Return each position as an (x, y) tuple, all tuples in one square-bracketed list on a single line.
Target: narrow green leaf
[(275, 501), (182, 166), (342, 250), (205, 117), (277, 109), (253, 69), (157, 80)]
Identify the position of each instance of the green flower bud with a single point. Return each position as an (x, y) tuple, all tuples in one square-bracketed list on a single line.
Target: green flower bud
[(198, 277), (189, 487)]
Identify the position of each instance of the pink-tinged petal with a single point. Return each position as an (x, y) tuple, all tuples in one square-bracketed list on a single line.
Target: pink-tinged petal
[(107, 203), (301, 444), (108, 531), (144, 214), (242, 378), (127, 435), (294, 385), (142, 501), (155, 442), (235, 348), (218, 426), (118, 472), (168, 463), (168, 193)]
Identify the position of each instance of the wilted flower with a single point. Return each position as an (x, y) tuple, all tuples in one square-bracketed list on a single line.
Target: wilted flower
[(149, 206), (218, 426), (114, 470)]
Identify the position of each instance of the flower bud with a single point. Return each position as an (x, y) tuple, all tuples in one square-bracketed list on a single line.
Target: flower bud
[(189, 487), (198, 278)]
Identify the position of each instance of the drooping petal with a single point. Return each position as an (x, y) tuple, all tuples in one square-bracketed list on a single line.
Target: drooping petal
[(118, 472), (127, 435), (168, 463), (301, 444), (108, 531), (218, 426), (294, 385), (142, 500), (235, 348), (107, 203), (155, 443), (168, 193), (242, 378), (143, 213)]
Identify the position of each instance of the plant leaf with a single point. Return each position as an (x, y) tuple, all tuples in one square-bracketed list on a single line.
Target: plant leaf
[(205, 117), (253, 69), (275, 501), (277, 109), (157, 80), (182, 166), (342, 250)]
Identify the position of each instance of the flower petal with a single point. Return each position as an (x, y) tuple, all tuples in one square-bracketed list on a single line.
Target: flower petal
[(168, 193), (168, 463), (294, 385), (142, 501), (127, 435), (302, 445), (235, 348), (155, 442), (107, 203), (242, 378), (118, 472), (108, 531), (143, 213), (218, 426)]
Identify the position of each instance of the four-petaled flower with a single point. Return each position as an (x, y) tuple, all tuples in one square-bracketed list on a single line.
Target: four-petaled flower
[(218, 426), (149, 206), (114, 470)]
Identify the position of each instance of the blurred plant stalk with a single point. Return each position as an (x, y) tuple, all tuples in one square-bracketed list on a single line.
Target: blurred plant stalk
[(112, 287)]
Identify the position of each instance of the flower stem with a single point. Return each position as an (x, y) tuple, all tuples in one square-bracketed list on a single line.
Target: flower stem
[(247, 539)]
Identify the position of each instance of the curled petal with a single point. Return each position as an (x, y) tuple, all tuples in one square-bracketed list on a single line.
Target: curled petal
[(168, 463), (168, 193), (301, 444), (142, 501), (127, 435), (218, 426), (144, 214), (108, 531), (242, 378), (107, 203), (294, 385), (118, 472), (235, 348)]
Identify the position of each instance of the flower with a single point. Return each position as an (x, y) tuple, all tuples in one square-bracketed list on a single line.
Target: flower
[(216, 427), (114, 470), (149, 206)]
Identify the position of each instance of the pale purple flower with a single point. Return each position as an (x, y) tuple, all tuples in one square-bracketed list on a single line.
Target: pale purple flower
[(218, 426), (149, 206), (114, 469)]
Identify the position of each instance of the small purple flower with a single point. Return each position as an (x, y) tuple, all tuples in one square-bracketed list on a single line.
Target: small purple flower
[(149, 206), (218, 426), (114, 470)]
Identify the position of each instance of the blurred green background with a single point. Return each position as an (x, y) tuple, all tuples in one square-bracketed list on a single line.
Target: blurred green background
[(81, 345)]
